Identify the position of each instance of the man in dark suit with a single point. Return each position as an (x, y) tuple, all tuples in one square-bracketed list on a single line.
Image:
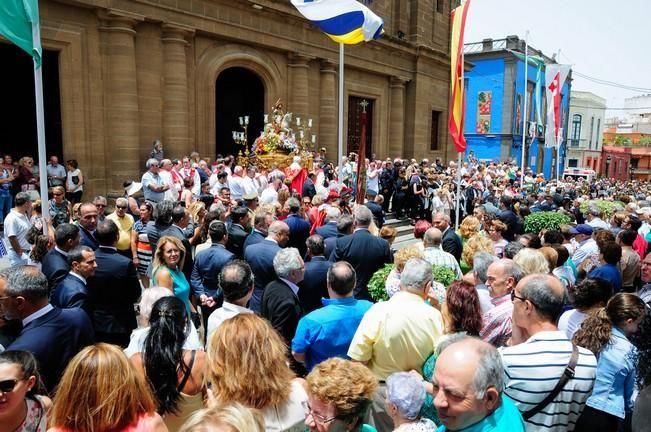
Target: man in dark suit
[(207, 265), (260, 257), (313, 287), (53, 335), (375, 208), (87, 225), (451, 241), (344, 227), (114, 289), (365, 252), (280, 303), (261, 223), (72, 292), (299, 228), (507, 216), (180, 221), (329, 228), (309, 190), (55, 264), (237, 232)]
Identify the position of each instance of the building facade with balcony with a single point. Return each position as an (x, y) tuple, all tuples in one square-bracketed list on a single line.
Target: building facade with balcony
[(626, 152), (495, 96), (586, 124)]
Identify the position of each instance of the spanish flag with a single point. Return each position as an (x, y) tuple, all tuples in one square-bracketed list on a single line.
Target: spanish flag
[(457, 94), (344, 21)]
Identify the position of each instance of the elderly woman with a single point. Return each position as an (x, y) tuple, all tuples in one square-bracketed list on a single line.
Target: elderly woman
[(60, 208), (339, 394), (405, 395), (247, 363), (496, 229), (231, 417), (124, 222), (476, 243), (26, 181), (400, 258), (531, 261)]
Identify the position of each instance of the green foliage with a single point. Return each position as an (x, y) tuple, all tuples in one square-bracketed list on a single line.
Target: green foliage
[(376, 285), (549, 220), (607, 207), (444, 275)]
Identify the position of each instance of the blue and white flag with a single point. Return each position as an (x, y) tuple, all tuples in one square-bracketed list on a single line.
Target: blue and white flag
[(344, 21)]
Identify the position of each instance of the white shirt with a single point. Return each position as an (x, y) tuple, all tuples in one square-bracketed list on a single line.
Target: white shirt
[(138, 336), (236, 187), (570, 321), (78, 276), (249, 186), (598, 223), (17, 225), (587, 248), (269, 195), (227, 311), (171, 194)]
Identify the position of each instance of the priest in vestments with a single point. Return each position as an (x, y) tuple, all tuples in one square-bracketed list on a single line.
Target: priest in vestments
[(296, 175)]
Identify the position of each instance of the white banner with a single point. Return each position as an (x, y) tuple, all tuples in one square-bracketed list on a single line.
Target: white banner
[(555, 76)]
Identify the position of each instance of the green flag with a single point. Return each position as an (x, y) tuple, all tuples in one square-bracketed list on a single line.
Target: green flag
[(19, 23)]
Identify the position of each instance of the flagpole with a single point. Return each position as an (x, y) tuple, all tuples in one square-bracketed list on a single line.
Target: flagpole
[(40, 132), (463, 99), (340, 138), (524, 115)]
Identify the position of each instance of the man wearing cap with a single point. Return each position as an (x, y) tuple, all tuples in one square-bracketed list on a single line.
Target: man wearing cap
[(207, 265), (251, 203), (587, 245)]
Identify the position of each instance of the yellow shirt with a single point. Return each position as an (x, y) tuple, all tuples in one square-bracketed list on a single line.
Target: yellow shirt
[(125, 225), (397, 335)]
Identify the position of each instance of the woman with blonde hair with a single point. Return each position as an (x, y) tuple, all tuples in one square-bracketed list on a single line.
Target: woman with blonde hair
[(606, 333), (167, 269), (400, 258), (468, 228), (60, 208), (247, 363), (531, 261), (100, 380), (230, 417), (476, 243), (496, 229)]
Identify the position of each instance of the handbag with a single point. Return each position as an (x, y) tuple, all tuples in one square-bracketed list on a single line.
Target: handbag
[(568, 374)]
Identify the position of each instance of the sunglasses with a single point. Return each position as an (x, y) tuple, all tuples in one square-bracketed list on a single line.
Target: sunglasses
[(121, 207), (57, 194), (7, 386)]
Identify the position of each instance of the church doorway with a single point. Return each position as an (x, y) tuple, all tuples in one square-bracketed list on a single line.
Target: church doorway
[(18, 112), (239, 92)]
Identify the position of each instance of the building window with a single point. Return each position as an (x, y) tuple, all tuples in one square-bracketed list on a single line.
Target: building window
[(439, 6), (596, 143), (576, 129), (591, 132), (573, 163), (434, 139)]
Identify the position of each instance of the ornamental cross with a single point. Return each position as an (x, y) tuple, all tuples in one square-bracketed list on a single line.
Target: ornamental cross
[(364, 104)]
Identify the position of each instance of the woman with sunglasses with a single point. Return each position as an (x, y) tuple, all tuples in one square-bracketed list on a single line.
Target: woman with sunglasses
[(60, 207), (22, 408)]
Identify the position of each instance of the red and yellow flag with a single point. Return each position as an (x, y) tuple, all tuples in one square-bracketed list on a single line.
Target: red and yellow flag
[(457, 94)]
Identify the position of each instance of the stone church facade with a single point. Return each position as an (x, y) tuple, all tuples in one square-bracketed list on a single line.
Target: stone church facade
[(134, 70)]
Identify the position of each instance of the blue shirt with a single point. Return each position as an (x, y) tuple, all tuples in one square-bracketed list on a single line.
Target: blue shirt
[(616, 371), (505, 418), (327, 332), (611, 273)]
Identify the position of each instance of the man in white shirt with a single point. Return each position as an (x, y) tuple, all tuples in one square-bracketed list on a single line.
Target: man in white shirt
[(249, 183), (270, 194), (165, 173), (593, 218), (235, 184), (437, 256), (236, 282), (587, 245), (16, 227)]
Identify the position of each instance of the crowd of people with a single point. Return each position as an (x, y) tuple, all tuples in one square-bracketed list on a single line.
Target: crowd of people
[(216, 296)]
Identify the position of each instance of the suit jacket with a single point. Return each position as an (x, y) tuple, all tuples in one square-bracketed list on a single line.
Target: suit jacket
[(328, 230), (253, 238), (86, 238), (299, 231), (54, 339), (71, 292), (113, 290), (378, 214), (55, 267), (282, 308), (260, 257), (366, 253), (313, 287), (330, 244), (177, 232), (308, 188), (205, 273), (451, 243), (236, 238)]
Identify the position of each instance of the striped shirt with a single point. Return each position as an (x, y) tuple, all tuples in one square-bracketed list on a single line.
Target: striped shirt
[(496, 329), (531, 371), (438, 257)]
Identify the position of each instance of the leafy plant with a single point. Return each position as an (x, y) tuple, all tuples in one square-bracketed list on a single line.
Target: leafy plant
[(444, 275), (607, 207), (536, 222), (377, 284)]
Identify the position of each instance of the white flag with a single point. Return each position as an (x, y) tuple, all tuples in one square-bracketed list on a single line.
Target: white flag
[(555, 76)]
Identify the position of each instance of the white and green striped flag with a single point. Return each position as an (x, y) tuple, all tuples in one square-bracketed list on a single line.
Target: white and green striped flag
[(19, 23)]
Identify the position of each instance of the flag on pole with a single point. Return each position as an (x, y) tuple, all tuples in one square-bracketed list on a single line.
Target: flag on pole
[(555, 76), (539, 63), (457, 93), (344, 21), (19, 23)]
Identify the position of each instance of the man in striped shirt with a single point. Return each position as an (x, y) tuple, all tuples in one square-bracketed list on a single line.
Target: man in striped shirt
[(539, 354), (501, 278)]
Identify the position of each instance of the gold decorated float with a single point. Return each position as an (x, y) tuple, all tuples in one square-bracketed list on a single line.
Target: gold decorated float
[(281, 140)]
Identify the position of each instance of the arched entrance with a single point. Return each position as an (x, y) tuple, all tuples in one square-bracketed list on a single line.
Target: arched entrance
[(239, 92)]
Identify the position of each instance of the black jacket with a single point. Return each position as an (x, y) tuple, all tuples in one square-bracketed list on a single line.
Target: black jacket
[(452, 244), (55, 267), (236, 238), (282, 308)]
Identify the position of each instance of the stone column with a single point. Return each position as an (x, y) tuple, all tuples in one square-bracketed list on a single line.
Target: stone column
[(175, 90), (121, 96), (328, 109), (397, 117), (298, 86)]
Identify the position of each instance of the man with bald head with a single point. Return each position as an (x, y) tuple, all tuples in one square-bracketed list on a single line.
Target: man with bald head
[(437, 256), (260, 257), (467, 386), (501, 278), (87, 225), (539, 355)]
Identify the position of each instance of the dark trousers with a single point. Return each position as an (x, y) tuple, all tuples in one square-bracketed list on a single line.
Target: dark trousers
[(387, 200), (399, 204), (595, 420)]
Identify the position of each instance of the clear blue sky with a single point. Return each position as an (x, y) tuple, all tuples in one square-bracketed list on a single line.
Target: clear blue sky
[(602, 39)]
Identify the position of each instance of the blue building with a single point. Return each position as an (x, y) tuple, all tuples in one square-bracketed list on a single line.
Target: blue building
[(495, 93)]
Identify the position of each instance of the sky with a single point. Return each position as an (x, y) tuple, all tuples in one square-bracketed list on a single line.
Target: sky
[(599, 38)]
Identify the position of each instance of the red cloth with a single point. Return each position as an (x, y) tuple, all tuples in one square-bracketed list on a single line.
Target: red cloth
[(640, 246), (299, 179), (320, 218)]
